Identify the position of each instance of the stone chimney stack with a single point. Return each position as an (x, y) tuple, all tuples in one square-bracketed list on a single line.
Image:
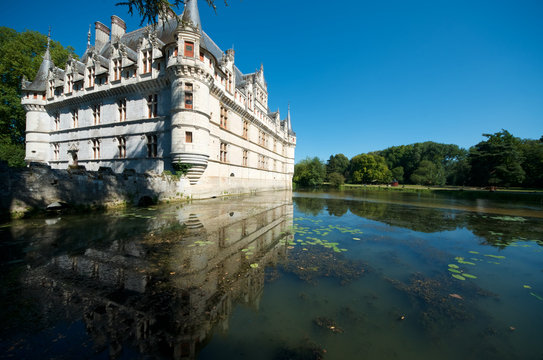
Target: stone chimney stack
[(101, 36), (118, 27)]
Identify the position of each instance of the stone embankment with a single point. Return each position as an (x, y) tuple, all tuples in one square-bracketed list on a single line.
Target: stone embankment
[(37, 187)]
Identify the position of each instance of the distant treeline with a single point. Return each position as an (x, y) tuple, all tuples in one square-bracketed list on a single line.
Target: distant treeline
[(501, 160)]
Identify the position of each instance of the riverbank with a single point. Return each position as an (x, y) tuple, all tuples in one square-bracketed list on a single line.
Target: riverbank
[(421, 188)]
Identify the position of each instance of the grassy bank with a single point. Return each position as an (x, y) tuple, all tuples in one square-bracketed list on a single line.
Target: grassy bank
[(420, 188)]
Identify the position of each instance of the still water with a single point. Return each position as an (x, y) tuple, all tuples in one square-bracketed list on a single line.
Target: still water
[(341, 275)]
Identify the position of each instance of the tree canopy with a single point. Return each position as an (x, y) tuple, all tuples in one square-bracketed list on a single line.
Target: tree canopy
[(309, 172), (150, 11)]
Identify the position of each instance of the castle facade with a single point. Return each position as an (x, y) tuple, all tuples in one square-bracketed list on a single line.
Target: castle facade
[(156, 99)]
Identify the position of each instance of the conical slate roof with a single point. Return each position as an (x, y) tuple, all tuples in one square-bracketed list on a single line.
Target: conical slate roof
[(191, 15), (40, 81)]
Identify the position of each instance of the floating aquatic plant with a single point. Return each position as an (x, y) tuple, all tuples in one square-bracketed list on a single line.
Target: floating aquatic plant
[(459, 277), (536, 296), (526, 286), (454, 266), (455, 271), (509, 218), (469, 276), (254, 266), (473, 252), (496, 256)]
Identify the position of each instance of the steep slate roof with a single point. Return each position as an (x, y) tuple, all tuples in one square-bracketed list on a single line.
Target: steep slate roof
[(40, 81)]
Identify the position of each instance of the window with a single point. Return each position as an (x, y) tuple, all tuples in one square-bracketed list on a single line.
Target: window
[(274, 145), (175, 52), (224, 117), (147, 61), (261, 161), (51, 88), (56, 151), (274, 165), (228, 84), (245, 129), (121, 140), (57, 120), (262, 138), (96, 114), (95, 149), (151, 146), (91, 76), (69, 82), (245, 158), (189, 49), (188, 96), (117, 69), (201, 55), (121, 104), (223, 152), (75, 118), (188, 137), (152, 105)]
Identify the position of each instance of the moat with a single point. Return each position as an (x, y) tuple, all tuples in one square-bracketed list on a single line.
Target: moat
[(279, 275)]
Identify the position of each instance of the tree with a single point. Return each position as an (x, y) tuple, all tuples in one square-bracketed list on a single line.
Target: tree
[(368, 168), (20, 55), (336, 179), (397, 173), (497, 161), (150, 11), (532, 153), (338, 163), (428, 173), (309, 172)]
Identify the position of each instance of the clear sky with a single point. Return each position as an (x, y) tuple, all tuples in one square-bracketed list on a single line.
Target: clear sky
[(363, 75)]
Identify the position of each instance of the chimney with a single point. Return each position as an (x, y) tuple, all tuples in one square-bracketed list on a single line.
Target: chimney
[(101, 36), (118, 27)]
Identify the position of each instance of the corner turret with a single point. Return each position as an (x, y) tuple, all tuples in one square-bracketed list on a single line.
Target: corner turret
[(37, 119)]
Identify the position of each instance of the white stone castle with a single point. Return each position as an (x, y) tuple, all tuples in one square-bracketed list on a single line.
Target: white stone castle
[(155, 97)]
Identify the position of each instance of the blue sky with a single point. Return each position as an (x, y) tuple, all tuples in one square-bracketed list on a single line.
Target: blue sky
[(364, 75)]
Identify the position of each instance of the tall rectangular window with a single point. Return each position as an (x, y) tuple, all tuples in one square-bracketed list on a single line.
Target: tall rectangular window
[(57, 120), (188, 137), (75, 118), (223, 152), (245, 129), (121, 140), (96, 114), (91, 76), (95, 149), (274, 145), (56, 151), (121, 105), (188, 96), (151, 146), (245, 158), (224, 117), (117, 69), (152, 105), (189, 49), (201, 55), (69, 81), (147, 61)]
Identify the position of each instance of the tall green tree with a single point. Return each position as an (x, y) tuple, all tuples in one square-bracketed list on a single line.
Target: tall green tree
[(369, 168), (428, 173), (497, 160), (309, 172), (338, 163), (532, 153), (21, 54)]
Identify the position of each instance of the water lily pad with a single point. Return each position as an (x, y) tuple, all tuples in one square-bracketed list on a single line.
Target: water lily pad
[(496, 256), (454, 266), (455, 271), (254, 266), (473, 252), (536, 296), (356, 238), (465, 262), (459, 277), (526, 286), (469, 276)]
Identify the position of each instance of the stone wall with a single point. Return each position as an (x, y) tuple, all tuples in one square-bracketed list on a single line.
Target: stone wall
[(38, 186)]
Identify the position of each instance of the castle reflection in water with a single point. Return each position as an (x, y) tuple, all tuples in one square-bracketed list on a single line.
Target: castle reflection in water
[(161, 282)]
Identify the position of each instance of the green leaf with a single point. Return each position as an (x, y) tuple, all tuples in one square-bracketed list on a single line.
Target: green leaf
[(459, 277)]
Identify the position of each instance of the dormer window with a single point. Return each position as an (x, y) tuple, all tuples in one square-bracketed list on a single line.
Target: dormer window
[(117, 69), (189, 49), (147, 61), (70, 83), (201, 55), (91, 76), (51, 88)]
